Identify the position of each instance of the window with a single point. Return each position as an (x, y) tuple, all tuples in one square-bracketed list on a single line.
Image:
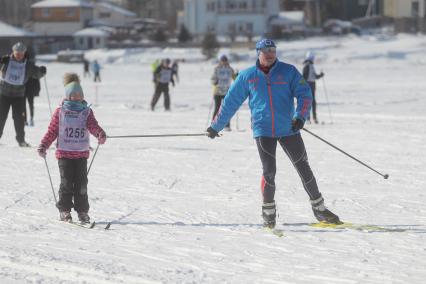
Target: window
[(363, 2), (230, 5), (249, 27), (45, 12), (243, 5), (104, 15), (211, 28), (415, 9), (211, 6), (98, 41), (232, 28), (71, 13)]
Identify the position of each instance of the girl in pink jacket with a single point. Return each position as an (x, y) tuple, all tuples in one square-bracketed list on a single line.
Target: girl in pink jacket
[(70, 125)]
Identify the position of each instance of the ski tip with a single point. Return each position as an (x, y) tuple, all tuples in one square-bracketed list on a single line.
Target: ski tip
[(107, 226), (92, 225)]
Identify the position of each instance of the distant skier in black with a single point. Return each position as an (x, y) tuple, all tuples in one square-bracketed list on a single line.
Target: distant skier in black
[(221, 79), (311, 76), (32, 89), (162, 78), (175, 71), (86, 68)]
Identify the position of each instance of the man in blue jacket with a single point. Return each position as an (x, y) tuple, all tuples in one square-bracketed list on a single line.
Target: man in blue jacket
[(271, 87)]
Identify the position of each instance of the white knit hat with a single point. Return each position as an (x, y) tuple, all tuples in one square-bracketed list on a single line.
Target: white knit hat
[(19, 47)]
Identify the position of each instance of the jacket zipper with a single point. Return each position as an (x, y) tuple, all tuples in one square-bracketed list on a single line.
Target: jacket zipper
[(268, 82)]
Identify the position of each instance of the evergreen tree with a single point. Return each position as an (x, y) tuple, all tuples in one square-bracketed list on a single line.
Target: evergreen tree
[(184, 34), (210, 45)]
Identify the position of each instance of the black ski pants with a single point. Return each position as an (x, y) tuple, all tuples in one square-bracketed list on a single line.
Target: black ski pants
[(30, 99), (18, 114), (159, 89), (294, 147), (73, 185), (217, 103)]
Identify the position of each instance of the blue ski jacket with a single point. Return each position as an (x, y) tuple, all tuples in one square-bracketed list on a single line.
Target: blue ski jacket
[(271, 99)]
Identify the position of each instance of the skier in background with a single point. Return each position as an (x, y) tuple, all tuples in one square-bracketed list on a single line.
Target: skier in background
[(311, 76), (15, 71), (96, 68), (175, 70), (155, 64), (162, 78), (32, 89), (86, 65), (272, 86), (71, 124), (221, 79)]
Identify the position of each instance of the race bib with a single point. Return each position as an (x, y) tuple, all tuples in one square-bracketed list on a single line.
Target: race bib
[(73, 133), (15, 73)]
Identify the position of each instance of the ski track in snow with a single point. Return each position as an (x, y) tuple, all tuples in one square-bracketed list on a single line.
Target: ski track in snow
[(187, 209)]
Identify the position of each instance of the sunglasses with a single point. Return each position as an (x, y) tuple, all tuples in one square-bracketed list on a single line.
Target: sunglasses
[(268, 49)]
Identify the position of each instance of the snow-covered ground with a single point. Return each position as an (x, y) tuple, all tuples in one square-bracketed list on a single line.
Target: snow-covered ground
[(187, 209)]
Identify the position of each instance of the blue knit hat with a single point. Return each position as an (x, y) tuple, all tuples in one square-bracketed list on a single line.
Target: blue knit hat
[(265, 42), (72, 88)]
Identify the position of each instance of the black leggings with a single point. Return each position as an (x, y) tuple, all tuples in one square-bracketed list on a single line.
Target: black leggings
[(159, 89), (30, 100), (217, 103), (295, 149)]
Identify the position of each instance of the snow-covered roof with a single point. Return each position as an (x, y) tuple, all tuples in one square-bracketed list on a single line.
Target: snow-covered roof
[(62, 3), (289, 17), (11, 31), (117, 9), (91, 32)]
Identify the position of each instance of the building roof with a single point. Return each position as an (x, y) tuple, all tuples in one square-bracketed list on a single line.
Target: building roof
[(289, 17), (62, 3), (11, 31), (117, 9), (91, 32)]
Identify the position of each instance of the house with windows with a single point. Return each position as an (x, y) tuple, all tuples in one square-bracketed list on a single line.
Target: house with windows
[(89, 38), (60, 17), (229, 18)]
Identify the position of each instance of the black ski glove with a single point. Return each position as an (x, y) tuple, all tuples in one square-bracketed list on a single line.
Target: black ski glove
[(211, 133), (297, 124)]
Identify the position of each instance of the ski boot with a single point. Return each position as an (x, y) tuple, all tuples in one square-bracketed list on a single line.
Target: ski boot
[(24, 144), (269, 214), (65, 216), (322, 213), (83, 217)]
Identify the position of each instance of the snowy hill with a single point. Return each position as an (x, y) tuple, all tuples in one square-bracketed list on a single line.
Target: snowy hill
[(187, 209)]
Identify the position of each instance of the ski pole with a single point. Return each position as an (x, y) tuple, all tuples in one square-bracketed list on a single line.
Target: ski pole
[(91, 162), (47, 93), (158, 135), (210, 112), (50, 178), (326, 97), (237, 122), (385, 176)]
